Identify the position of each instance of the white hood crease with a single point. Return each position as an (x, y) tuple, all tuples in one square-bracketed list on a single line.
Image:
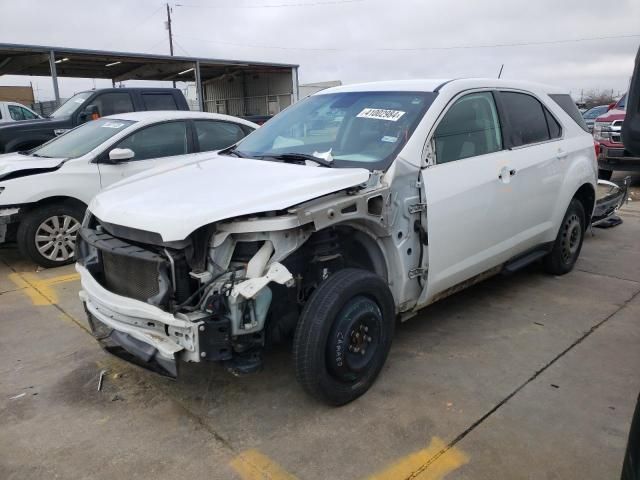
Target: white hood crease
[(174, 202), (15, 162)]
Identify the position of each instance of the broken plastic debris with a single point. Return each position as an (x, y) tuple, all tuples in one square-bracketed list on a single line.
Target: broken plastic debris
[(20, 395)]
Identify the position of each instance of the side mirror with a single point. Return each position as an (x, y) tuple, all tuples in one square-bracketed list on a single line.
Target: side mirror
[(119, 154), (90, 112)]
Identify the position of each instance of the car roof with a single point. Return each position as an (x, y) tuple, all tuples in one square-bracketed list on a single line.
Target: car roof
[(441, 84), (163, 115)]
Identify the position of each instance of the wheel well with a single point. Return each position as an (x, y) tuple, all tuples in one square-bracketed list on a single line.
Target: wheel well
[(59, 199), (362, 251), (587, 196)]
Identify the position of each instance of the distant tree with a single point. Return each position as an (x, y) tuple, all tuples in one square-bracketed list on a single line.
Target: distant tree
[(593, 98)]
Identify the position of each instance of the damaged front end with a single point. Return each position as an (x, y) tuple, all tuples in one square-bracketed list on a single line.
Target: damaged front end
[(220, 295)]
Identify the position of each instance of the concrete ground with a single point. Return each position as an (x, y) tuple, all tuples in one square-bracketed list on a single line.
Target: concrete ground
[(527, 376)]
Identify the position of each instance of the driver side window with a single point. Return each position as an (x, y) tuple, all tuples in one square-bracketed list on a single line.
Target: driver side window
[(468, 129), (163, 140)]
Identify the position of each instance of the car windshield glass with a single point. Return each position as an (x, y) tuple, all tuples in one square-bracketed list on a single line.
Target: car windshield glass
[(81, 140), (71, 105), (595, 112), (364, 129)]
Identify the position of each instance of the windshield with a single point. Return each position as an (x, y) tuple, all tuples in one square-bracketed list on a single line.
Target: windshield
[(595, 112), (71, 105), (81, 140), (364, 129)]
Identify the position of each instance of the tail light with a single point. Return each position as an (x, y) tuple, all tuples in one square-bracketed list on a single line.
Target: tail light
[(596, 147)]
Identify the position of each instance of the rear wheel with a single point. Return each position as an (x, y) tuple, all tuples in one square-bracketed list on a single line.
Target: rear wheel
[(47, 235), (568, 243), (605, 174), (343, 336)]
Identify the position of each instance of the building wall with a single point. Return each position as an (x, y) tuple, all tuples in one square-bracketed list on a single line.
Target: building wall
[(246, 94), (23, 95), (311, 88)]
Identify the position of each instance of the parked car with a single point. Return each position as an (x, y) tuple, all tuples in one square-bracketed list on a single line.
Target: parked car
[(85, 106), (423, 188), (44, 192), (15, 112), (607, 131), (593, 113)]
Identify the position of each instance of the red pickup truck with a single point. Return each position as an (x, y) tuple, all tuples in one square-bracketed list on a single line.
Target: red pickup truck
[(607, 131)]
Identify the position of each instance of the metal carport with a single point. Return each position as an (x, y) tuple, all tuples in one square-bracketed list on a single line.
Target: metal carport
[(121, 66)]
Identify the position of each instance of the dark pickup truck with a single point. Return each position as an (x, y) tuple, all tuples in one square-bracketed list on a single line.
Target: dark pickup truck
[(85, 106)]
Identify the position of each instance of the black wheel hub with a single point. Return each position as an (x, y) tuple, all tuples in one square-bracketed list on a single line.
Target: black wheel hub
[(571, 236), (354, 339)]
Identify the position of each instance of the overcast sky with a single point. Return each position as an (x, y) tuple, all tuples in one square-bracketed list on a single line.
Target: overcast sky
[(351, 40)]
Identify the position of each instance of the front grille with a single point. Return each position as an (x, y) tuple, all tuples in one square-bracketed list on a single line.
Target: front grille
[(131, 277)]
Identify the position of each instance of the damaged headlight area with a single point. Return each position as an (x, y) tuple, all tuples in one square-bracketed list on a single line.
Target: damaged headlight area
[(220, 296)]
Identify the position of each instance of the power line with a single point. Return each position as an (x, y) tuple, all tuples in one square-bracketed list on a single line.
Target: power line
[(279, 5), (412, 49)]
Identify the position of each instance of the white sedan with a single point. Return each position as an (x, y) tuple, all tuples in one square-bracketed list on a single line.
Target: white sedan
[(44, 192)]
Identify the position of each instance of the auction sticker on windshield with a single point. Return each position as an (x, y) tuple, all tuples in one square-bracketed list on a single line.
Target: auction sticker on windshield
[(381, 114)]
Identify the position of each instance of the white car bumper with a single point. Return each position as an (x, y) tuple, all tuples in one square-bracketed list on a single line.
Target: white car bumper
[(145, 331)]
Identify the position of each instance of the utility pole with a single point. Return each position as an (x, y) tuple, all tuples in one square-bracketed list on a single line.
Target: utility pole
[(170, 35)]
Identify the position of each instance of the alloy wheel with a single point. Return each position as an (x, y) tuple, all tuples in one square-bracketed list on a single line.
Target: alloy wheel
[(56, 238)]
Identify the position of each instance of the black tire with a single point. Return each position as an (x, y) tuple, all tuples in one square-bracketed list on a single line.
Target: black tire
[(605, 174), (35, 221), (344, 335), (568, 243)]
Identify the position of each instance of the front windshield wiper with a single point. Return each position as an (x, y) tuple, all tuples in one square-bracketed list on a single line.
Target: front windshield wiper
[(299, 157), (232, 151)]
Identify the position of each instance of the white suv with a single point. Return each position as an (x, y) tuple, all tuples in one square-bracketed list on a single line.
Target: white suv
[(355, 207)]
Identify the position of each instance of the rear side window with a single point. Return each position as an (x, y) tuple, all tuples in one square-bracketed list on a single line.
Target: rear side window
[(525, 117), (568, 105), (159, 101), (213, 135)]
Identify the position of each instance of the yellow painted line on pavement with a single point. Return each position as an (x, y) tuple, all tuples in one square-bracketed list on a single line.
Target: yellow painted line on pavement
[(254, 465), (434, 462), (39, 290), (431, 463)]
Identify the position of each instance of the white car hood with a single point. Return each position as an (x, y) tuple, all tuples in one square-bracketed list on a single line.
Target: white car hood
[(174, 202), (13, 162)]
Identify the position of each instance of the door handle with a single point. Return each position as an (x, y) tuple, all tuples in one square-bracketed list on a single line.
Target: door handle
[(561, 154), (504, 172)]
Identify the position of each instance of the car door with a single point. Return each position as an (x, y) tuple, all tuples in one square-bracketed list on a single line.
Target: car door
[(217, 134), (152, 146), (537, 158), (468, 192)]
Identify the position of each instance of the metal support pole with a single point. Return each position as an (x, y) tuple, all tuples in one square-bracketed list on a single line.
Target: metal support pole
[(199, 86), (54, 76), (295, 91)]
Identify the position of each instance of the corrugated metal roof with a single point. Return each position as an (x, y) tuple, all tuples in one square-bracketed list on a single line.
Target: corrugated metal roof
[(19, 59)]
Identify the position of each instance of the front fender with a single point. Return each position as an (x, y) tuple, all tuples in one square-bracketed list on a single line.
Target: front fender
[(64, 182)]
